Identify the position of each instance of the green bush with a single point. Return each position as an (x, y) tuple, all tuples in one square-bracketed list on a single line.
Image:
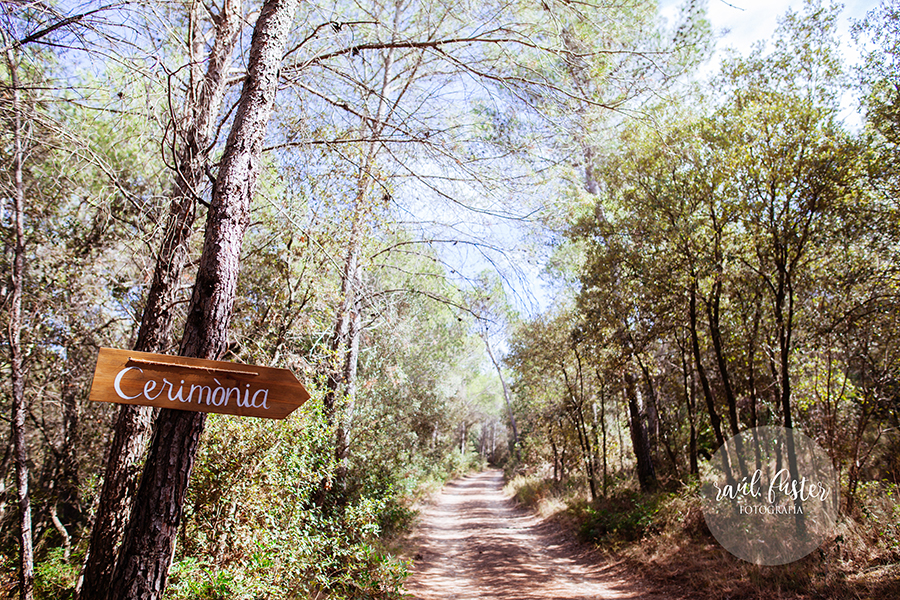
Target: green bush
[(264, 519), (624, 516), (54, 576), (878, 503), (189, 579)]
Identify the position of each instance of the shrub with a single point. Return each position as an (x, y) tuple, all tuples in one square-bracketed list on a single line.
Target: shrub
[(54, 576), (625, 515)]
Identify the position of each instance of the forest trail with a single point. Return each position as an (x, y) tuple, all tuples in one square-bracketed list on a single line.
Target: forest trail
[(474, 542)]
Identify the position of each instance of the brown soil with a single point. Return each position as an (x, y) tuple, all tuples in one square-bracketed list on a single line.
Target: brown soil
[(474, 542)]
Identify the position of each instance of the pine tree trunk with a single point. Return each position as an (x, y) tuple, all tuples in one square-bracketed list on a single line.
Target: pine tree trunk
[(149, 541), (132, 429), (17, 370)]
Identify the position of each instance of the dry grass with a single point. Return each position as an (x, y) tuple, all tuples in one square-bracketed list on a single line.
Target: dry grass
[(860, 560), (710, 572), (853, 562)]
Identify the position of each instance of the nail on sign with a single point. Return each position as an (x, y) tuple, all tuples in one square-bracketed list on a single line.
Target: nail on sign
[(128, 377)]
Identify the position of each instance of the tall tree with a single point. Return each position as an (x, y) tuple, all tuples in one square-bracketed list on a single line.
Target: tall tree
[(792, 165), (193, 137), (146, 552), (14, 331)]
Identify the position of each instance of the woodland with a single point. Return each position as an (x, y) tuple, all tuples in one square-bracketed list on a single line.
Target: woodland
[(553, 237)]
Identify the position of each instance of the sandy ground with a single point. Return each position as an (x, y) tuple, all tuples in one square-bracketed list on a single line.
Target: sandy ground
[(474, 542)]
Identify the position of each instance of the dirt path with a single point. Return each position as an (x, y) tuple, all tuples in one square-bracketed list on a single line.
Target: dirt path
[(475, 543)]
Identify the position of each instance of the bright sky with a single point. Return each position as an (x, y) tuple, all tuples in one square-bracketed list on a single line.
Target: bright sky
[(740, 23)]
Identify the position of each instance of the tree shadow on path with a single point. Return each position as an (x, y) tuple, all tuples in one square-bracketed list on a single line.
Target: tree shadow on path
[(474, 542)]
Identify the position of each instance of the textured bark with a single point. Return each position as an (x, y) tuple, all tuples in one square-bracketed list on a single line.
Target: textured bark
[(148, 546), (132, 429), (16, 366), (639, 438)]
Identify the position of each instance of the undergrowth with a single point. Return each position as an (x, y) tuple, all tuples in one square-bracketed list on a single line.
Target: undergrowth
[(253, 526), (664, 535)]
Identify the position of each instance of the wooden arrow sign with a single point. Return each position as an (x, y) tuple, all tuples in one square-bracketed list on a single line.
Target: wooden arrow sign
[(128, 377)]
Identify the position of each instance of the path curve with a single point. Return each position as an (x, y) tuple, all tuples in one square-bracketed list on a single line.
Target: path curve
[(474, 542)]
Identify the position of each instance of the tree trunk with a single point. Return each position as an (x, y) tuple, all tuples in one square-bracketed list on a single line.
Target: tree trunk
[(605, 444), (576, 415), (690, 400), (341, 374), (555, 451), (17, 369), (148, 545), (785, 293), (751, 371), (701, 372), (345, 339), (715, 331), (651, 409), (640, 443), (132, 428)]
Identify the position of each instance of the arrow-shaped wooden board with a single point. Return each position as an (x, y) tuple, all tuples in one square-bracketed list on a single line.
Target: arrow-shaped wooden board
[(129, 377)]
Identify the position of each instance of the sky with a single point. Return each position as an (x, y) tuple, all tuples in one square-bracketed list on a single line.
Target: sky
[(740, 23)]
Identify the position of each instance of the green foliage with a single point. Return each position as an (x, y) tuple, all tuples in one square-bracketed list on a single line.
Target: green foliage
[(878, 33), (55, 576), (191, 580), (879, 507), (626, 515), (257, 524)]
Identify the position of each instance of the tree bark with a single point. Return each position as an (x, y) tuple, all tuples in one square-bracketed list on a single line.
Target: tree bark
[(132, 428), (640, 443), (17, 370), (148, 545), (714, 419), (715, 332)]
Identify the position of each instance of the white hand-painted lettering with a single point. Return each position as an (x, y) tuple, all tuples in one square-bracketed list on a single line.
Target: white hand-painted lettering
[(200, 395), (149, 387), (214, 396), (118, 384), (265, 399)]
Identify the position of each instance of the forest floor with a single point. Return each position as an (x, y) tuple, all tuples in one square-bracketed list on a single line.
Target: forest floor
[(473, 541)]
